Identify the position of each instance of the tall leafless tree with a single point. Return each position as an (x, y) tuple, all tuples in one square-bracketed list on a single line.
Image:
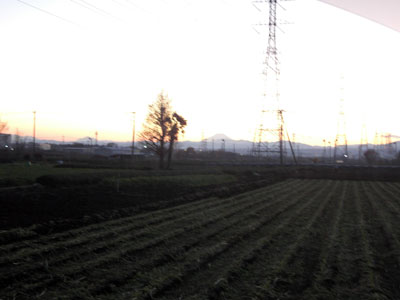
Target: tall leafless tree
[(3, 126), (162, 128), (177, 126)]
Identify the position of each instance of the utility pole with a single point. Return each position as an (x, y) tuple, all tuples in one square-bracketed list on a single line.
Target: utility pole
[(203, 142), (280, 136), (294, 143), (133, 134), (376, 142), (97, 136), (388, 146), (34, 134), (330, 151), (363, 143)]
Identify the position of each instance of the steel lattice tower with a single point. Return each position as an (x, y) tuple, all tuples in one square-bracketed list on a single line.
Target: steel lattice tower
[(363, 143), (265, 134), (341, 153)]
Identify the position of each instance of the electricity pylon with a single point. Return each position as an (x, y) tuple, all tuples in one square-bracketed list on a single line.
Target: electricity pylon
[(268, 138), (340, 152)]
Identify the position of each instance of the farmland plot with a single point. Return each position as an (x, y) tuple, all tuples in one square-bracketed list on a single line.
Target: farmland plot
[(297, 239)]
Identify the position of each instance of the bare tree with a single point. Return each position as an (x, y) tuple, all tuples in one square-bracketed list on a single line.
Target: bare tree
[(371, 156), (177, 126), (3, 126), (161, 129)]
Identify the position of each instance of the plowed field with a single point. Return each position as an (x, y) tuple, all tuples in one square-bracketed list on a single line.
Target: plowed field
[(297, 239)]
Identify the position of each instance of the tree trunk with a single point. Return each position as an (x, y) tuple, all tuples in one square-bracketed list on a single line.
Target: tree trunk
[(161, 154), (170, 150)]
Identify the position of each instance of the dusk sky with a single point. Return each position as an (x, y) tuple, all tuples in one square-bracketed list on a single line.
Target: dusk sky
[(85, 65)]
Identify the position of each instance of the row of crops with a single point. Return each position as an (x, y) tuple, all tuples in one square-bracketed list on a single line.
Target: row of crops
[(297, 239)]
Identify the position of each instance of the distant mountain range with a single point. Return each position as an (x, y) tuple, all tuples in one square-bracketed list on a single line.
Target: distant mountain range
[(219, 136), (221, 141)]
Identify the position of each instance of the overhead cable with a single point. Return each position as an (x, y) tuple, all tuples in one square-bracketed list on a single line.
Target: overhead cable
[(47, 12)]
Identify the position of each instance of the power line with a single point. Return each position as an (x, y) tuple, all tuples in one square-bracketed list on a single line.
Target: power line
[(47, 12), (100, 10), (137, 6), (97, 10), (128, 6), (87, 7), (120, 4), (15, 113)]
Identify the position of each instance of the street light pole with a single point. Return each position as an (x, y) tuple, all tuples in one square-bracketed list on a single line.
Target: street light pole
[(34, 134), (133, 134)]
